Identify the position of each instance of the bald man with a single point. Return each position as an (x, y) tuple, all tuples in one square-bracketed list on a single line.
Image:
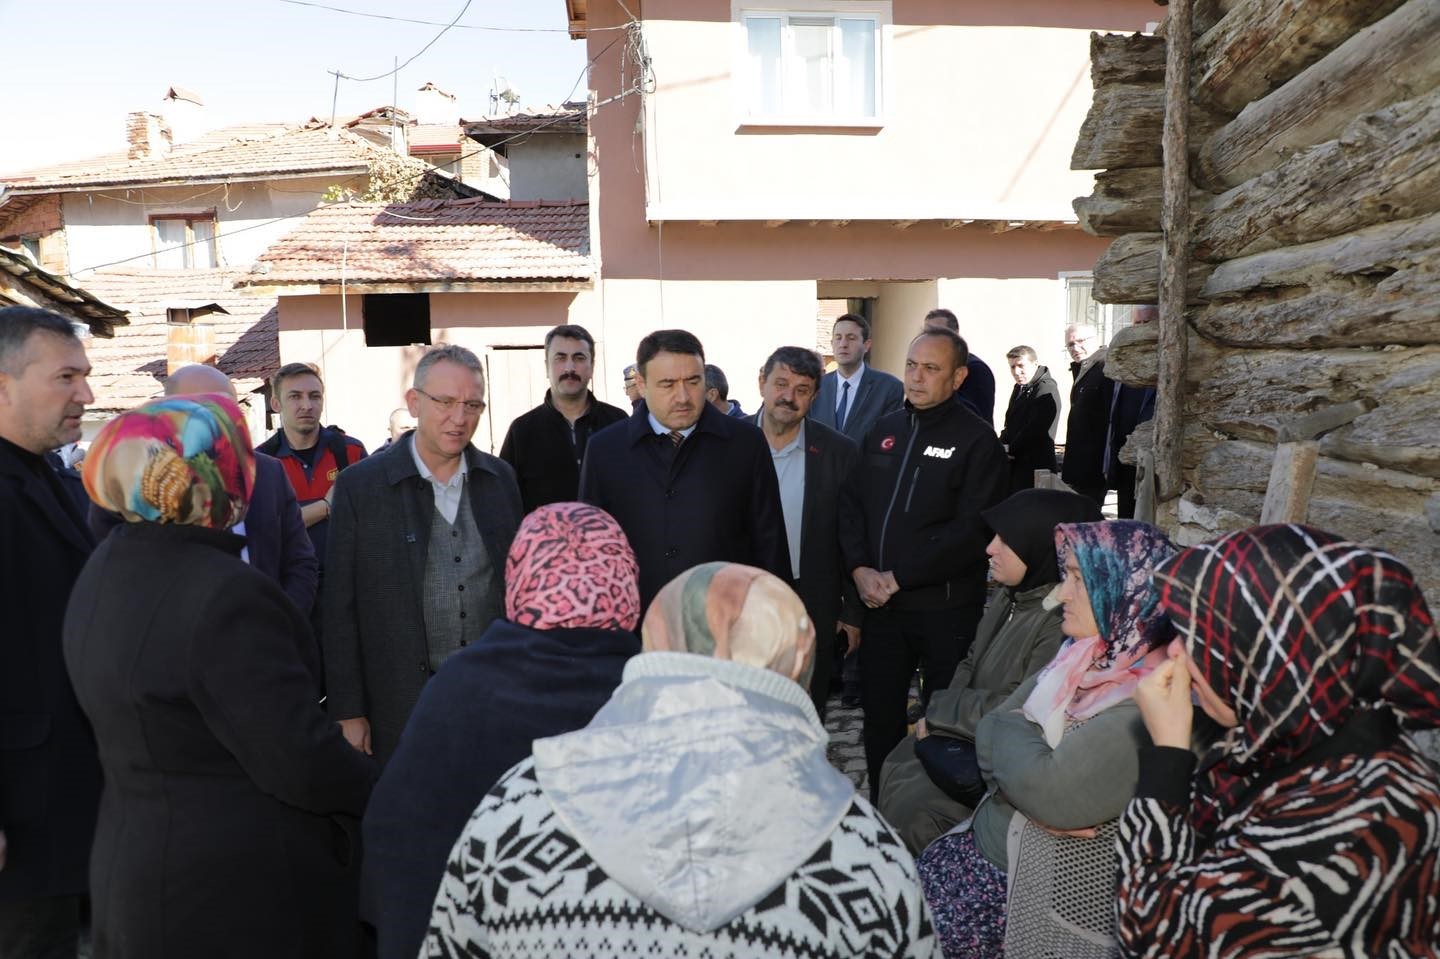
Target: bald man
[(275, 539)]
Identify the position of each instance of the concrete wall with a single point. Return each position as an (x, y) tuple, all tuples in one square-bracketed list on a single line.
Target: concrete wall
[(103, 226), (548, 166), (981, 103)]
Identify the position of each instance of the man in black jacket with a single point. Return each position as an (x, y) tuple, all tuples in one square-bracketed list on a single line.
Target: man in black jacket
[(913, 538), (1030, 419), (49, 769), (547, 444), (1088, 427), (687, 483), (812, 462)]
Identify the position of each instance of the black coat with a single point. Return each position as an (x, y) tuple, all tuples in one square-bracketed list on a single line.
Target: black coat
[(49, 773), (714, 498), (475, 719), (978, 390), (218, 833), (825, 585), (546, 454), (1029, 434), (275, 534), (1086, 428), (913, 504), (376, 656)]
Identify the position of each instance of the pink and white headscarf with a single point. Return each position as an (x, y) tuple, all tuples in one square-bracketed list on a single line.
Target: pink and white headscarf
[(571, 567)]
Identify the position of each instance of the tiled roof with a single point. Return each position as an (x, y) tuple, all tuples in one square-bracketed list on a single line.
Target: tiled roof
[(253, 150), (101, 317), (454, 241), (436, 134), (128, 369), (566, 118)]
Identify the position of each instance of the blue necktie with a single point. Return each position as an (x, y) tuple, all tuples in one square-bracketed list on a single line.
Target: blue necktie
[(844, 406)]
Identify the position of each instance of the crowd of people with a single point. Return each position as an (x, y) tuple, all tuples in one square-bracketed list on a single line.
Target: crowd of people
[(291, 699)]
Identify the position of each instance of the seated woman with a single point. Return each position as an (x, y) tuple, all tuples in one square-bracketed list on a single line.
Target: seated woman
[(1060, 758), (572, 600), (1018, 635), (1313, 824), (216, 834), (696, 815)]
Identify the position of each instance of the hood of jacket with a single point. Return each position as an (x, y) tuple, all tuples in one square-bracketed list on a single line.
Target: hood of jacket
[(699, 787)]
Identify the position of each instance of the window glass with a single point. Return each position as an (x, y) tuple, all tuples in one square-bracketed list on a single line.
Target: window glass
[(763, 54), (855, 69), (813, 69), (202, 254), (170, 244)]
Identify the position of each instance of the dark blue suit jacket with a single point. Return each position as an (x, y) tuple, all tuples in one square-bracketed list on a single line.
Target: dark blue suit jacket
[(879, 393), (274, 534), (713, 498)]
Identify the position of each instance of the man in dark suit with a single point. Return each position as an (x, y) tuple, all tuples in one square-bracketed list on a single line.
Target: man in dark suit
[(811, 462), (978, 391), (417, 552), (687, 483), (853, 396), (275, 539), (1087, 429), (49, 770)]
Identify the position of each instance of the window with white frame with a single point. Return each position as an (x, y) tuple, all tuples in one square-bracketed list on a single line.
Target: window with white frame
[(185, 241), (813, 65), (1082, 309)]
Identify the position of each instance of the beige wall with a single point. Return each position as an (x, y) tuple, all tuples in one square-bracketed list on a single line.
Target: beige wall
[(981, 105)]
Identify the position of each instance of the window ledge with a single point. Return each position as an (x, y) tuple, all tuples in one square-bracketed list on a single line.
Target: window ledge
[(782, 124)]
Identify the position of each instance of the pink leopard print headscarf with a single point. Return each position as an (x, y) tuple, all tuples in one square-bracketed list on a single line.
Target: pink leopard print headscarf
[(571, 567)]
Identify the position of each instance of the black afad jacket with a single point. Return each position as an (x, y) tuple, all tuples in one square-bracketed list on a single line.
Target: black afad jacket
[(913, 504)]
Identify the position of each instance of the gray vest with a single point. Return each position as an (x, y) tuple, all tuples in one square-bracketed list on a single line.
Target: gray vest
[(458, 602)]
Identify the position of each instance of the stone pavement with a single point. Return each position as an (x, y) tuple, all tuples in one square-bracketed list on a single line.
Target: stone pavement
[(846, 750)]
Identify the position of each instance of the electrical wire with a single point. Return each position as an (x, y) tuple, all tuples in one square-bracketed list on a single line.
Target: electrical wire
[(389, 73), (439, 23)]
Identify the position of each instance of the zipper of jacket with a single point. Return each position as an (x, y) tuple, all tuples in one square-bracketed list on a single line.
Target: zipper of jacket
[(895, 493), (914, 481)]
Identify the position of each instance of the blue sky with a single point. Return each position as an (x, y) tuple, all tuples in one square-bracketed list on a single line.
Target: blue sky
[(76, 67)]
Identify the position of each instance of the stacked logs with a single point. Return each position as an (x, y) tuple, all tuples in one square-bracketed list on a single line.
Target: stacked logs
[(1315, 254)]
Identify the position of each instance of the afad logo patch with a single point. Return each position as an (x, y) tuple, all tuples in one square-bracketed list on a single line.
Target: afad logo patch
[(938, 453), (888, 443)]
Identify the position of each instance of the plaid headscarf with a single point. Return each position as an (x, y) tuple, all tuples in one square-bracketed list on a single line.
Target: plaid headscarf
[(180, 459), (1296, 629), (1091, 674), (736, 612), (571, 567)]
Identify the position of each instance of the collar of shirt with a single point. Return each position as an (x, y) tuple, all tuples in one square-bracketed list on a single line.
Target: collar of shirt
[(662, 430), (447, 494), (853, 380), (797, 443)]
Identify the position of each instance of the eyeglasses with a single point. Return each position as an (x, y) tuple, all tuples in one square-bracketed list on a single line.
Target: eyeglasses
[(1070, 344), (447, 404)]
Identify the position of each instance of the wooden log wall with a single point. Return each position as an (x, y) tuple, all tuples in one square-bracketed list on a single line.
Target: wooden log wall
[(1315, 248)]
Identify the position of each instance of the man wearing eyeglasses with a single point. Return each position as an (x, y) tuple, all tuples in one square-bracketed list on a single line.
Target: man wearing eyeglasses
[(1089, 420), (417, 554)]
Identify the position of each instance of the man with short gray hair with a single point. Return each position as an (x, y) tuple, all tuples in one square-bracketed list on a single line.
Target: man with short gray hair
[(49, 770), (416, 560)]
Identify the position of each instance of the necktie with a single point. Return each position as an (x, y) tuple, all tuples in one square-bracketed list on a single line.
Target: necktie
[(844, 406), (676, 437)]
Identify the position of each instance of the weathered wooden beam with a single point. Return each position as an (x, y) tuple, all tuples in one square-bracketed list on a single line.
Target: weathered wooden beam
[(1124, 201), (1384, 166), (1260, 44), (1292, 475), (1375, 287), (1394, 59), (1126, 58), (1208, 13), (1122, 128), (1129, 271)]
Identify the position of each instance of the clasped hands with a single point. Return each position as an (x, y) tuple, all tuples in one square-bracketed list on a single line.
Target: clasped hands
[(875, 587)]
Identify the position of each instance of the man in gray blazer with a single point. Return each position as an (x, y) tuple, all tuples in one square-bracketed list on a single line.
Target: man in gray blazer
[(416, 562), (854, 396)]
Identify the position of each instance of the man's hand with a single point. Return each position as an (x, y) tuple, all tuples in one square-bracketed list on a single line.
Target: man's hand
[(1164, 701), (312, 513), (852, 637), (921, 730), (875, 587), (357, 733)]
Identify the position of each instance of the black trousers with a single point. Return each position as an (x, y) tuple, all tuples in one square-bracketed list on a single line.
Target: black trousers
[(895, 641), (40, 928)]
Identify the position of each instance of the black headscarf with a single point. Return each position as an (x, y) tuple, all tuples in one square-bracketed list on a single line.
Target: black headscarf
[(1026, 522)]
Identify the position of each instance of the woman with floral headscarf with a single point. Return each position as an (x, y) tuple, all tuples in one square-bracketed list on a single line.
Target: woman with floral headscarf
[(216, 834), (1311, 825), (1033, 872), (696, 815), (572, 602)]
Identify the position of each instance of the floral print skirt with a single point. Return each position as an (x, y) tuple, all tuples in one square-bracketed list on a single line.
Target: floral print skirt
[(966, 894)]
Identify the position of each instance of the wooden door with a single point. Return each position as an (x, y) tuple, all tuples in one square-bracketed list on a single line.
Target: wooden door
[(516, 381)]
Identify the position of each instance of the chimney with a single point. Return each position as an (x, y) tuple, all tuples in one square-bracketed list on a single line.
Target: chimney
[(147, 135), (184, 114)]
